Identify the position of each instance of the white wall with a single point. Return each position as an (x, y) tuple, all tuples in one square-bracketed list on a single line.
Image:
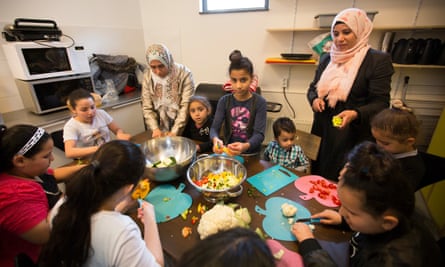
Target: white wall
[(203, 42), (101, 26)]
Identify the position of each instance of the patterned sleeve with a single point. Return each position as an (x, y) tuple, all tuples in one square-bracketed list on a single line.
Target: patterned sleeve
[(150, 115), (188, 90)]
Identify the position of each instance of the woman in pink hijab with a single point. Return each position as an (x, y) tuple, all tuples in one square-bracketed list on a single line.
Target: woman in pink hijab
[(352, 83)]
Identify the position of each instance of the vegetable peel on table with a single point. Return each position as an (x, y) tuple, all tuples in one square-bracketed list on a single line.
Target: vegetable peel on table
[(201, 208), (185, 213), (186, 231)]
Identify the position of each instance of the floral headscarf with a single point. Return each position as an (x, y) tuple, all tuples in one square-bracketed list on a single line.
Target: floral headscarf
[(336, 80), (166, 89), (160, 52)]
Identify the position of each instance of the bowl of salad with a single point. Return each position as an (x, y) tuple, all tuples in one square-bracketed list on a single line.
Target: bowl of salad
[(217, 177), (167, 158)]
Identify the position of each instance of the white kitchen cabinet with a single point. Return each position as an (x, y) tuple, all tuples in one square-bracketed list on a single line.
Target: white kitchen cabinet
[(128, 116)]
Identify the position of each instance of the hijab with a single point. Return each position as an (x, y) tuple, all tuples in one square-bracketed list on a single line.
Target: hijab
[(166, 89), (336, 81)]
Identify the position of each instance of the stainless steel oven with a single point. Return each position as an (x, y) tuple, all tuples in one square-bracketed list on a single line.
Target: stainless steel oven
[(47, 95)]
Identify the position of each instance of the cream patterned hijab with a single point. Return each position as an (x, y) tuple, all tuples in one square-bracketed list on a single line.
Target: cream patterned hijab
[(336, 81), (166, 89)]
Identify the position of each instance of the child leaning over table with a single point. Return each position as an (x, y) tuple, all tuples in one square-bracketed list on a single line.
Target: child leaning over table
[(395, 129), (89, 127), (378, 205), (283, 149)]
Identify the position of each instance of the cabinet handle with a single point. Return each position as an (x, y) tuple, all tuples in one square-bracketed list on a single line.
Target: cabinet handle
[(125, 104)]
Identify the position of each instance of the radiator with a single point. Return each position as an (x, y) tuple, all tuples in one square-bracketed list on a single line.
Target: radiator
[(299, 124)]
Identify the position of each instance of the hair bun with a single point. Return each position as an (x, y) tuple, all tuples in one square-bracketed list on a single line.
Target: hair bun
[(398, 104)]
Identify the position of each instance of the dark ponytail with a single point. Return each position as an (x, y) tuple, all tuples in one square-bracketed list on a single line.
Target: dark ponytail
[(116, 164)]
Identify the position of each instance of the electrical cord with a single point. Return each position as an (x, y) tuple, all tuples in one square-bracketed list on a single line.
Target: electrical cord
[(285, 96), (45, 43)]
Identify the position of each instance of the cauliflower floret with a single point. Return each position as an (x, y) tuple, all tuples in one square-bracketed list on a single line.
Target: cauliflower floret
[(243, 216), (221, 217), (288, 210)]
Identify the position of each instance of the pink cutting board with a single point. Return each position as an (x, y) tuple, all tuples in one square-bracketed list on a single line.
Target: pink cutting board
[(305, 183)]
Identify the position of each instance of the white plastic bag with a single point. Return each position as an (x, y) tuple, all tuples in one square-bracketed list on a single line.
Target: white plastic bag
[(111, 94)]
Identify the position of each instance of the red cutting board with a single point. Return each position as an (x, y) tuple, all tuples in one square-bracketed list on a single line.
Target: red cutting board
[(306, 185)]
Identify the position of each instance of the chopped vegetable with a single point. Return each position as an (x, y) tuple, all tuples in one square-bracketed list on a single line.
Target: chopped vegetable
[(260, 233), (324, 190), (194, 219), (166, 199), (186, 231), (167, 162), (201, 208), (288, 210), (218, 181), (279, 254), (337, 121), (141, 190), (185, 213)]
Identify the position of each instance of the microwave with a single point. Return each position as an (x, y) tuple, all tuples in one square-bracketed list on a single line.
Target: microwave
[(41, 60), (48, 95)]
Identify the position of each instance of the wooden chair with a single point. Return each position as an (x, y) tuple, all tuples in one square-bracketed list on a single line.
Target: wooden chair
[(310, 143)]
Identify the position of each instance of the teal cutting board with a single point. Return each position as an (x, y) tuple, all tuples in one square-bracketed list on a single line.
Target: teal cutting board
[(169, 202), (275, 224), (272, 179)]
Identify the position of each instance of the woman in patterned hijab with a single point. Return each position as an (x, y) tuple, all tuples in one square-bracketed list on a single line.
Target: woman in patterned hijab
[(352, 84), (166, 91)]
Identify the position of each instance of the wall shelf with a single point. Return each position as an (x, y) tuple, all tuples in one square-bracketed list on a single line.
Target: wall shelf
[(382, 28)]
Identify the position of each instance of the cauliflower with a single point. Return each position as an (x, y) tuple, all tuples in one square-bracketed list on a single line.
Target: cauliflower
[(288, 210), (222, 217)]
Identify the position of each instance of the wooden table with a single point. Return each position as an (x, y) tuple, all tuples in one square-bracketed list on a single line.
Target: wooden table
[(170, 232)]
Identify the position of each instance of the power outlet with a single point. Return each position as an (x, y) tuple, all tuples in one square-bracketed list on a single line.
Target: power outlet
[(284, 83)]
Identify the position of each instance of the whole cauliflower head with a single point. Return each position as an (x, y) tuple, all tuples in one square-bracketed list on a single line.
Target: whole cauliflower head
[(222, 217)]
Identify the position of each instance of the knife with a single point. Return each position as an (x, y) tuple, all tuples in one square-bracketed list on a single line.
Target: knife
[(310, 220), (285, 172)]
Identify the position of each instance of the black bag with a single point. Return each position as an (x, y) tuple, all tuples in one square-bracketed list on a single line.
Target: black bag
[(121, 69), (32, 30)]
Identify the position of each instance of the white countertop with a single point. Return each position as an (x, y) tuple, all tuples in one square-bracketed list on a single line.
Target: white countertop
[(24, 116)]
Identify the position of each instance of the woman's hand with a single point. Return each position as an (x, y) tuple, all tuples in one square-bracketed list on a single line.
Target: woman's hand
[(328, 216), (123, 136), (301, 231), (156, 133), (318, 105), (347, 117)]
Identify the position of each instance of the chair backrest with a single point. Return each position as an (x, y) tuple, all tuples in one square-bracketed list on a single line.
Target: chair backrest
[(310, 143), (212, 91)]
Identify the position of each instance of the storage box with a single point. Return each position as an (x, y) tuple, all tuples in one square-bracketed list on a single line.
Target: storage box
[(325, 20)]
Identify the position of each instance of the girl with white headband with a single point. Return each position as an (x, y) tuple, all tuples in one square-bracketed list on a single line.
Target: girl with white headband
[(28, 189)]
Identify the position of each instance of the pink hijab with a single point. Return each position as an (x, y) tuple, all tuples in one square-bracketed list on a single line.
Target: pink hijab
[(336, 80)]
